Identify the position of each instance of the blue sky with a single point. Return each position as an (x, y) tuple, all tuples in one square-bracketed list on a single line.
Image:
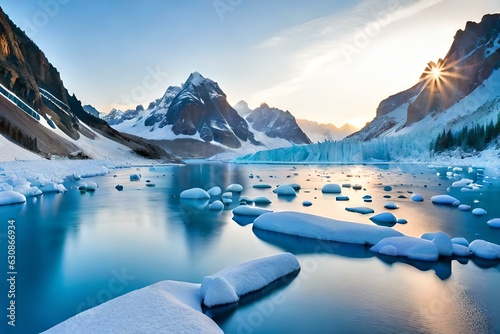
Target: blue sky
[(324, 60)]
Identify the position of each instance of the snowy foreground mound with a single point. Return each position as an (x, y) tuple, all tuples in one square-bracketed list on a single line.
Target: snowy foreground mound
[(175, 307), (164, 307), (322, 228), (228, 285)]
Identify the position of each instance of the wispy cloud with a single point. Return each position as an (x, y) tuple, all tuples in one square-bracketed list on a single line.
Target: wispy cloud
[(315, 45)]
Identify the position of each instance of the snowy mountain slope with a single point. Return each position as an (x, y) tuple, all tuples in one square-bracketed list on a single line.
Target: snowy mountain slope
[(319, 132), (198, 119), (464, 81), (58, 124)]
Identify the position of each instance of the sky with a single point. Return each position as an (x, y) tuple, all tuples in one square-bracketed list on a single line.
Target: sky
[(329, 61)]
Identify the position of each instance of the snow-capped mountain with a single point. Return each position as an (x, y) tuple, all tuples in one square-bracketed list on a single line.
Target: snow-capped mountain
[(460, 89), (196, 120), (91, 110), (319, 132), (41, 116)]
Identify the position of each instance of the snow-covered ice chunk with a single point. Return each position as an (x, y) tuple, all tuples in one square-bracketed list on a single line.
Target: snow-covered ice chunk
[(195, 193), (8, 197), (135, 177), (485, 249), (261, 200), (460, 241), (262, 186), (228, 285), (164, 307), (216, 206), (464, 207), (410, 247), (307, 203), (53, 188), (460, 250), (214, 191), (27, 190), (91, 186), (322, 228), (417, 198), (342, 198), (384, 218), (360, 209), (445, 200), (235, 188), (227, 194), (285, 190), (391, 206), (495, 222), (245, 210), (462, 183), (331, 188), (479, 212), (443, 243)]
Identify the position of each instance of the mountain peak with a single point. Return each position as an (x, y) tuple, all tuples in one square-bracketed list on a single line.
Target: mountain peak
[(195, 78)]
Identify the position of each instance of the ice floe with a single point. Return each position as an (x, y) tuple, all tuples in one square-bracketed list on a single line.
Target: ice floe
[(331, 188), (194, 193), (11, 197), (285, 190), (495, 222)]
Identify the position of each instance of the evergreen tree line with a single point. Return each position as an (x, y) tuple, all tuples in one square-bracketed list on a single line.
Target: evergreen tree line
[(468, 138)]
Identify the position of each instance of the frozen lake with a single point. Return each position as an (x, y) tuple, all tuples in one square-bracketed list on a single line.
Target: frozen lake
[(77, 250)]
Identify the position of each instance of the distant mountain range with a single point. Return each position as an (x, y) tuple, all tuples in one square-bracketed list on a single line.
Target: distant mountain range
[(461, 89), (195, 120), (40, 115), (319, 132)]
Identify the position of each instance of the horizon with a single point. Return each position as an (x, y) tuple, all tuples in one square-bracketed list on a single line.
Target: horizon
[(311, 59)]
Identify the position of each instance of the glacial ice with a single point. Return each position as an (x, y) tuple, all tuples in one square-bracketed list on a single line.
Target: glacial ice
[(8, 197), (322, 228), (228, 285), (195, 193)]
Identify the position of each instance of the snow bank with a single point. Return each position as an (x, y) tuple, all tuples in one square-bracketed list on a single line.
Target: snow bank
[(245, 210), (11, 197), (228, 285), (194, 193), (322, 228), (164, 307)]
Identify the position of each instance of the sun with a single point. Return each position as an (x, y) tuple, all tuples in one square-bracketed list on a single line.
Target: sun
[(435, 72)]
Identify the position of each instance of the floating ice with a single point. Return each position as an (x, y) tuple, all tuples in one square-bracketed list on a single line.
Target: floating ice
[(235, 188), (464, 207), (245, 210), (391, 206), (357, 187), (417, 198), (8, 197), (164, 307), (360, 209), (485, 249), (261, 200), (460, 241), (216, 206), (462, 183), (461, 250), (228, 285), (342, 198), (247, 200), (119, 187), (387, 188), (495, 222), (135, 177), (410, 247), (91, 186), (227, 201), (227, 194), (285, 190), (384, 218), (27, 190), (331, 188), (214, 191), (53, 188), (479, 212), (402, 221), (195, 193), (445, 200), (322, 228), (307, 203), (262, 186), (442, 241)]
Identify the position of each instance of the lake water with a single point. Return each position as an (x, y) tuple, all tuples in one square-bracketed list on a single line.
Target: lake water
[(77, 250)]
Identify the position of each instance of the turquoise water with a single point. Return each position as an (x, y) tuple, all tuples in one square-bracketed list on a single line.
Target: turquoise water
[(77, 250)]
